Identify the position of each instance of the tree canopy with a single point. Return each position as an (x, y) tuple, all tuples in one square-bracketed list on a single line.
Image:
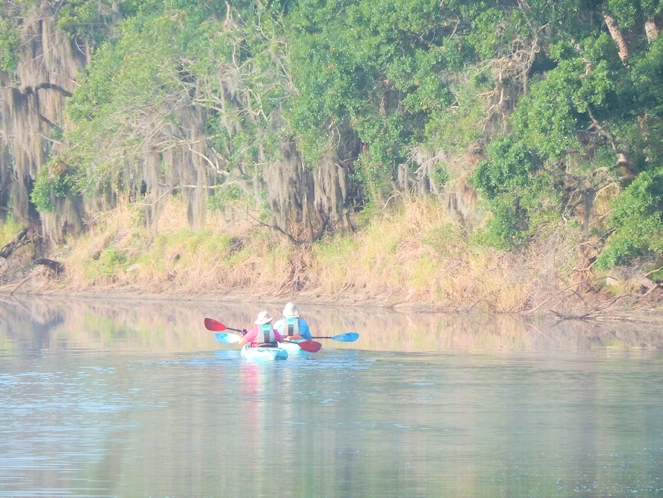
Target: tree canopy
[(312, 110)]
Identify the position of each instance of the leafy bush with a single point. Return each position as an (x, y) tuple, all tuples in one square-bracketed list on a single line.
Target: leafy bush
[(507, 170), (53, 182), (109, 260), (509, 225), (638, 222)]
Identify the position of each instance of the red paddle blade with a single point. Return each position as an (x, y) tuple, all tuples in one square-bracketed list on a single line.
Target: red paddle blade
[(212, 324), (310, 346)]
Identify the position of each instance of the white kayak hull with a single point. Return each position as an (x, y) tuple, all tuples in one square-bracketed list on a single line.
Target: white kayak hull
[(262, 353)]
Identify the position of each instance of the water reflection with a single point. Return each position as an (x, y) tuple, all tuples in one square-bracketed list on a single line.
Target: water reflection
[(46, 326)]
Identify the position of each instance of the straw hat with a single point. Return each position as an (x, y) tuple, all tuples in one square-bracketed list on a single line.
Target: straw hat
[(263, 318), (291, 311)]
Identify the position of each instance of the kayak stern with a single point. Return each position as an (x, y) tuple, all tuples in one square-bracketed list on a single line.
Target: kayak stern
[(262, 353)]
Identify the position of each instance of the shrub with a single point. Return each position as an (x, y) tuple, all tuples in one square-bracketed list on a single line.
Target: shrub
[(637, 221)]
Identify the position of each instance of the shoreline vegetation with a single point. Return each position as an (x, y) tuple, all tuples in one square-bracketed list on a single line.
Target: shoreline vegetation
[(421, 155), (410, 258)]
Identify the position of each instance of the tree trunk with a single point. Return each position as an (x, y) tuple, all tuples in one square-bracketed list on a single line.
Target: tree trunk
[(588, 196), (617, 36), (624, 165), (652, 30)]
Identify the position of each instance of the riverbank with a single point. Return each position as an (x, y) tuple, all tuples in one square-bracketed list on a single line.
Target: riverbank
[(411, 258)]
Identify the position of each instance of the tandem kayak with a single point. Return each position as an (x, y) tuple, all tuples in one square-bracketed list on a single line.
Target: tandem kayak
[(294, 350), (262, 353)]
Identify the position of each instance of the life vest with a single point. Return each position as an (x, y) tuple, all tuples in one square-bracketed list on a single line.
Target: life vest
[(293, 326), (265, 334)]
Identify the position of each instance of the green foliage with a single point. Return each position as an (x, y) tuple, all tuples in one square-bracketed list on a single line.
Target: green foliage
[(366, 73), (526, 176), (457, 127), (493, 31), (110, 260), (507, 171), (365, 83), (9, 227), (647, 76), (520, 194), (559, 106), (638, 222), (508, 227), (83, 18), (10, 43), (55, 181), (647, 101), (144, 81), (629, 12), (440, 174), (219, 199)]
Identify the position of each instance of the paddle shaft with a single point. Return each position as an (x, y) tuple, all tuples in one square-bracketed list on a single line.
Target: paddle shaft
[(346, 337)]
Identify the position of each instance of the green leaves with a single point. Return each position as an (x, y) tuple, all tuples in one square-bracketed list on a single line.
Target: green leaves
[(494, 30), (54, 182), (10, 42), (559, 106), (647, 77), (638, 222), (507, 171), (630, 12), (518, 193)]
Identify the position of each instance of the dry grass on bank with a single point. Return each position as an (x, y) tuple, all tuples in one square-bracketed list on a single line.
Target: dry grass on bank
[(120, 253), (416, 254), (412, 255)]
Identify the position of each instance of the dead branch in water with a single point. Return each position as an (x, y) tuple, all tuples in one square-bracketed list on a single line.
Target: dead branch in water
[(570, 316), (529, 312), (33, 274), (593, 312), (491, 303)]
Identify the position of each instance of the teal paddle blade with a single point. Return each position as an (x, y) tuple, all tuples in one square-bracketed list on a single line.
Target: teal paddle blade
[(347, 337), (224, 338)]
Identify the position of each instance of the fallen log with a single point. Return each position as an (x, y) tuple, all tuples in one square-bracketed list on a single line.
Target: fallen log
[(19, 240), (56, 267)]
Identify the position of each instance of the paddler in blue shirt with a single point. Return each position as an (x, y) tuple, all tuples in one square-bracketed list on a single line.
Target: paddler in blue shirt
[(291, 326)]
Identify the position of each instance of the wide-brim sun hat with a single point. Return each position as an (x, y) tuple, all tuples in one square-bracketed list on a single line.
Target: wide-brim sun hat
[(263, 318), (291, 311)]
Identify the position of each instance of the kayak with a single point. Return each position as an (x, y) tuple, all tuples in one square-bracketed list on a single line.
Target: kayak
[(294, 350), (262, 353)]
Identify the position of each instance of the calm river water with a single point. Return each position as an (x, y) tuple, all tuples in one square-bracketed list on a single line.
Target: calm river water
[(136, 398)]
